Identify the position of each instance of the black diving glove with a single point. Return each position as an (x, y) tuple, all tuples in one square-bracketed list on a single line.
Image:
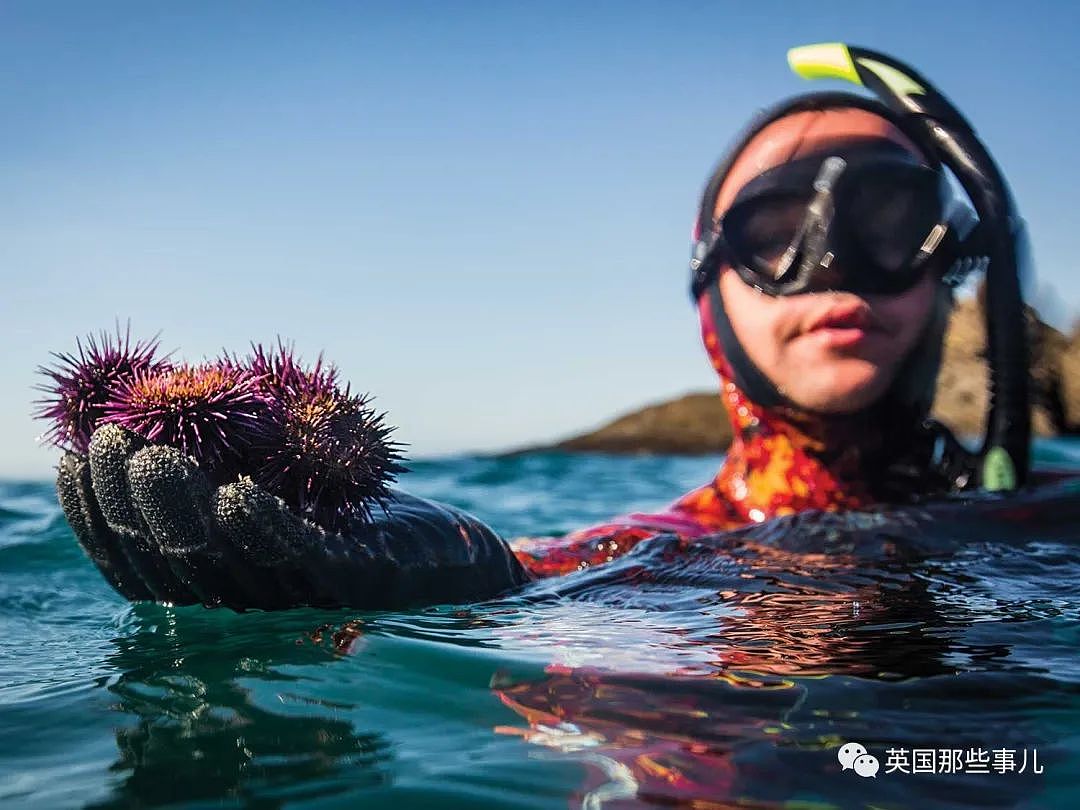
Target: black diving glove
[(158, 530)]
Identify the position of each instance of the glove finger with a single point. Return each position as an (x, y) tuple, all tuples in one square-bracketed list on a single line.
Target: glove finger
[(97, 540), (172, 497), (295, 557), (111, 447)]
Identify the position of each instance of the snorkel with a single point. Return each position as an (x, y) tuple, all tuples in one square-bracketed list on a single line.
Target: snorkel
[(1004, 454)]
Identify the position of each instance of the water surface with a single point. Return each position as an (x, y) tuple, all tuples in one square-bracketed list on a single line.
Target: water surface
[(728, 672)]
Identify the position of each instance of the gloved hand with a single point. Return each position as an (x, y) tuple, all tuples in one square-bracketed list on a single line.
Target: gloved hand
[(158, 530)]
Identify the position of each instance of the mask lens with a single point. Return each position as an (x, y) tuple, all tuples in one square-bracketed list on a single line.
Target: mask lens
[(760, 231), (891, 216)]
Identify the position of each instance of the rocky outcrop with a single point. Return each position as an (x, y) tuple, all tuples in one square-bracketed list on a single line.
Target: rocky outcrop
[(692, 424), (696, 423), (1070, 381), (962, 393)]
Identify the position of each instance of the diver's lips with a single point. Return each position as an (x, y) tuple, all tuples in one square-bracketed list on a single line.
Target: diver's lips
[(840, 338), (845, 325), (850, 316)]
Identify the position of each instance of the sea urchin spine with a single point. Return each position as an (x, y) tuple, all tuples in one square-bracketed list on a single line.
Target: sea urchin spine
[(281, 375), (82, 384)]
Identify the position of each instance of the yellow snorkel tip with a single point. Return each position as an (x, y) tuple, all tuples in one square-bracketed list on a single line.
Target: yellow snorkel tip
[(825, 60), (835, 60)]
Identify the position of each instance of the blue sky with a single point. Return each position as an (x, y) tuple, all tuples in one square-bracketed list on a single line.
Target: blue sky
[(479, 211)]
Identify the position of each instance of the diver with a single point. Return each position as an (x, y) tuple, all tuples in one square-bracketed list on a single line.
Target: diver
[(824, 257)]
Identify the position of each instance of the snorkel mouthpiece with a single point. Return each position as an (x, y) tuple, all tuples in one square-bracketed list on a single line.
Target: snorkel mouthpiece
[(1005, 452)]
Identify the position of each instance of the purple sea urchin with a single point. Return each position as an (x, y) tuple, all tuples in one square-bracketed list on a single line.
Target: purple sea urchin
[(82, 383), (211, 412), (332, 458), (325, 452)]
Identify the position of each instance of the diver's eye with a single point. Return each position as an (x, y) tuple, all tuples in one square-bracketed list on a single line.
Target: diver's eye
[(891, 220), (761, 231)]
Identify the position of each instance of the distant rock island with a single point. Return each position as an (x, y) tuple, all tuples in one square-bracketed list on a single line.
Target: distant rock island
[(696, 424), (690, 425)]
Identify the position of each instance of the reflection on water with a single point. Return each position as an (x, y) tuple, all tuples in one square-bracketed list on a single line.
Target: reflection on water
[(787, 640), (722, 672), (200, 736)]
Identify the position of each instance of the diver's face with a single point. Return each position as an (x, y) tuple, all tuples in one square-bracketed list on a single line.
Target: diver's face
[(829, 352)]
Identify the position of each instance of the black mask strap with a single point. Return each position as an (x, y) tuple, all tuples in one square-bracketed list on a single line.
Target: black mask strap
[(747, 376)]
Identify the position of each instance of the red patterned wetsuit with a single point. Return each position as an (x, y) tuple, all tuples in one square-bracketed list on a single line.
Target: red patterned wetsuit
[(780, 462)]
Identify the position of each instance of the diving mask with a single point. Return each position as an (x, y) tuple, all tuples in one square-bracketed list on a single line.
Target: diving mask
[(866, 217)]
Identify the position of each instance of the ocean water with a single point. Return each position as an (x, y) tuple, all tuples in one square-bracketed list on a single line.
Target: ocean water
[(728, 675)]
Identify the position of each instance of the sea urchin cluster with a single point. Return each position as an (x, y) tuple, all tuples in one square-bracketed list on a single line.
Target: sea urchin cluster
[(323, 450), (82, 383)]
